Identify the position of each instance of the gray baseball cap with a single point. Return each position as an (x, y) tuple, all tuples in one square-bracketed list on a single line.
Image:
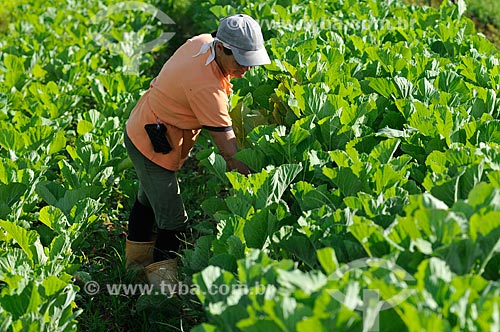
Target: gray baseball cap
[(243, 36)]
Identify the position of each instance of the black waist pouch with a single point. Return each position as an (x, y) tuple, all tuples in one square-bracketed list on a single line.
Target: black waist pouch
[(157, 133)]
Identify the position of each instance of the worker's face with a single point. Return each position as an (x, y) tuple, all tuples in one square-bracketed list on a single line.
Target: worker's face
[(229, 65)]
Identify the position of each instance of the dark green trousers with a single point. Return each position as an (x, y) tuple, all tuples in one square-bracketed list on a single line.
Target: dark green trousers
[(158, 189)]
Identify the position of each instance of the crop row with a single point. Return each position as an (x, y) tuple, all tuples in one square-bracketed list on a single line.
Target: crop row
[(63, 100)]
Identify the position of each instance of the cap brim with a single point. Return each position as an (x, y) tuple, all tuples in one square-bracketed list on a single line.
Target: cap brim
[(251, 58)]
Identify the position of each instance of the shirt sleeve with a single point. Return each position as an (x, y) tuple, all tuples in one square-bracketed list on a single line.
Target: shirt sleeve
[(211, 108)]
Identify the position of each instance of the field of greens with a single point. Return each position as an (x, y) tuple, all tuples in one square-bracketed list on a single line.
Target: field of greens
[(373, 139), (63, 103)]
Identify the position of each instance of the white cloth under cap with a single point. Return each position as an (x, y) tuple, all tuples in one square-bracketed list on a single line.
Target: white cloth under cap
[(210, 46)]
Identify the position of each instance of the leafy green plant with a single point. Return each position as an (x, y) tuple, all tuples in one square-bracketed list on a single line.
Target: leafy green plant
[(63, 99), (389, 114)]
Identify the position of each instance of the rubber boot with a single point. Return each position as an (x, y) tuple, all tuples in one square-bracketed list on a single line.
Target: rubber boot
[(138, 254), (163, 276)]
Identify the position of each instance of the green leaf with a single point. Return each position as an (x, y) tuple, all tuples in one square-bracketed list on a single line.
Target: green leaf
[(383, 86), (427, 90), (392, 133), (297, 133), (349, 114), (310, 198), (11, 139), (255, 159), (311, 324), (29, 241), (14, 69), (256, 228), (54, 218), (225, 261), (64, 199), (257, 325), (328, 259), (235, 247), (6, 321), (489, 132), (434, 275), (444, 120), (69, 173), (35, 136), (58, 143), (25, 301), (275, 184), (50, 192), (423, 119), (404, 87), (302, 247), (385, 150), (370, 235), (212, 205), (245, 118), (199, 256), (451, 82), (60, 247), (217, 165), (52, 285), (9, 195), (84, 127), (329, 128), (348, 183), (38, 71), (485, 231), (385, 177), (462, 7), (205, 327), (308, 282), (494, 177), (484, 196), (209, 280)]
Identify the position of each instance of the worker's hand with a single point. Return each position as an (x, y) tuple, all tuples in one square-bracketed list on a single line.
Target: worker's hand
[(226, 143), (237, 165)]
